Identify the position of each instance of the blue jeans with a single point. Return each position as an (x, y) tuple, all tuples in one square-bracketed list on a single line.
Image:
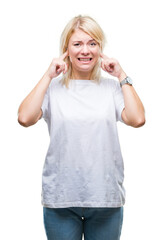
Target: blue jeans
[(71, 223)]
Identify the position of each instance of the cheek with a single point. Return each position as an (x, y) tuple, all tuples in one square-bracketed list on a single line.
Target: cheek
[(97, 51), (96, 54), (72, 52), (73, 56)]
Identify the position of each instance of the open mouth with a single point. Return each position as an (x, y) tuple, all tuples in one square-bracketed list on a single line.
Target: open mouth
[(84, 59)]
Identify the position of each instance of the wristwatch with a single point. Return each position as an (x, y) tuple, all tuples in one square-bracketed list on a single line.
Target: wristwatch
[(127, 80)]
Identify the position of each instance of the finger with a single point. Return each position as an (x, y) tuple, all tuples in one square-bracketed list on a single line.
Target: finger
[(62, 67), (109, 67), (103, 66), (59, 69), (101, 55), (64, 55)]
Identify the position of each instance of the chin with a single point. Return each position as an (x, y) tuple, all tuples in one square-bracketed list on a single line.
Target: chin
[(86, 67)]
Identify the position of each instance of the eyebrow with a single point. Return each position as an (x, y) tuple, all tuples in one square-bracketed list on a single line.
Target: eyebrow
[(88, 41)]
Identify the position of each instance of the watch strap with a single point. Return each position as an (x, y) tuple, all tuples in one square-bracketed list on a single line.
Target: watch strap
[(127, 80)]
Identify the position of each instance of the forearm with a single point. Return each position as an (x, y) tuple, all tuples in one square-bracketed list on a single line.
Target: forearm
[(30, 109), (133, 113)]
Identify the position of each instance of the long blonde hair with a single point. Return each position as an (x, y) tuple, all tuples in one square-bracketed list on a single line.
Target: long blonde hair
[(89, 26)]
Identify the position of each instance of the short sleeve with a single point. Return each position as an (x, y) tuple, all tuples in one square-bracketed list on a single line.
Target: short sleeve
[(119, 101), (45, 105)]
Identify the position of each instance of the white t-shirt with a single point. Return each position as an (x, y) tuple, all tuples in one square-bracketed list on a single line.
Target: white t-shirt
[(83, 165)]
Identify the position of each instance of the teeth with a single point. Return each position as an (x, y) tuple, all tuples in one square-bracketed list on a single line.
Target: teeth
[(85, 59)]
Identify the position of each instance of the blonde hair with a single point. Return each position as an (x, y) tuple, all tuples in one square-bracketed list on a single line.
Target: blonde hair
[(89, 26)]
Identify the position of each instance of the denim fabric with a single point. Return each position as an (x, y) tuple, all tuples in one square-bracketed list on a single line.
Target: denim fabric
[(75, 222)]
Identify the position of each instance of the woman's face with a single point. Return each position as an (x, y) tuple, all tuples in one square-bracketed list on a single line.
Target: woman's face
[(84, 52)]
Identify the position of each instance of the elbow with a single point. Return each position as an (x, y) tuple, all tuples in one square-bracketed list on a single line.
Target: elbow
[(23, 121), (27, 120), (139, 123)]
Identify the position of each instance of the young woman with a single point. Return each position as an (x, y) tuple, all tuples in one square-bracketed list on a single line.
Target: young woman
[(82, 183)]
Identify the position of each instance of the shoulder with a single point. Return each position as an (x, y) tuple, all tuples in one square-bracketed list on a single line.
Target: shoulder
[(56, 82), (110, 82)]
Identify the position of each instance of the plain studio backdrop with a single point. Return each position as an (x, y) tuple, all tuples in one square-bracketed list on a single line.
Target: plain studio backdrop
[(30, 33)]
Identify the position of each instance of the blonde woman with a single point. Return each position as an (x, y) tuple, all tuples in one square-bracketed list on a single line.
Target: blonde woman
[(82, 183)]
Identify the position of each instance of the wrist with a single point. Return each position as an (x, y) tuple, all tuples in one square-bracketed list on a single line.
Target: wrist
[(48, 76), (122, 76)]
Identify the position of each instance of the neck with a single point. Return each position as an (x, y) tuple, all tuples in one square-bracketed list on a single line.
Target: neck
[(81, 75)]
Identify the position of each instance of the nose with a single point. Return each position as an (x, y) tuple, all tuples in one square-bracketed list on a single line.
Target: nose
[(85, 50)]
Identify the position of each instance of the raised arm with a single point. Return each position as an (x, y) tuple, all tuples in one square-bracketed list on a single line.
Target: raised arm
[(133, 113), (30, 111)]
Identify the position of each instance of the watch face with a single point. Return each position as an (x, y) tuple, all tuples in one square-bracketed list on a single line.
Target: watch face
[(129, 80)]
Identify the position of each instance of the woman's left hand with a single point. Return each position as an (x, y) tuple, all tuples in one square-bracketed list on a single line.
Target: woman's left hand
[(112, 66)]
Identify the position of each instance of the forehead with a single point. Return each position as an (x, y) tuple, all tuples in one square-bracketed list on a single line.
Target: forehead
[(80, 35)]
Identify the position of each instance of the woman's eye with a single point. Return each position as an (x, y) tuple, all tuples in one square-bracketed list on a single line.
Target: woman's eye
[(93, 44), (77, 44)]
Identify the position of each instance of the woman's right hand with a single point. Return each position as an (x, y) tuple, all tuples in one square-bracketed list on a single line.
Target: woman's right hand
[(57, 66), (30, 109)]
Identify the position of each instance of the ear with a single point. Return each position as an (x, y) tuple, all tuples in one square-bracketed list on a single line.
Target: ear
[(69, 55)]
